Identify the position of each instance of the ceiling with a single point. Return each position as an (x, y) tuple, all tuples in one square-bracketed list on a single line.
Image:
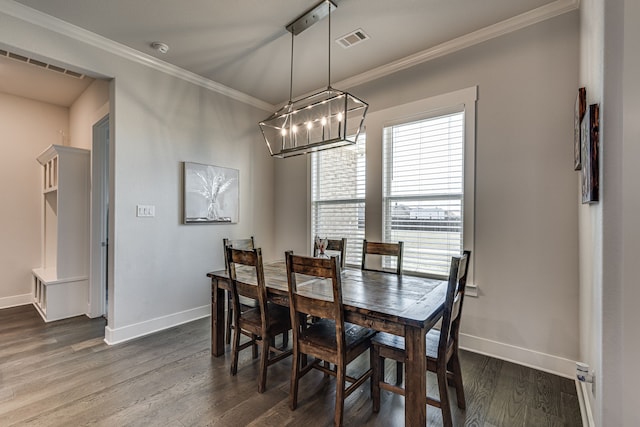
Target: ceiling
[(243, 44), (43, 84)]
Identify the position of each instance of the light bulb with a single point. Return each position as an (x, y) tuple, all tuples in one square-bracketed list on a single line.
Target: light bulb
[(309, 125), (283, 132), (294, 128), (339, 117), (323, 121)]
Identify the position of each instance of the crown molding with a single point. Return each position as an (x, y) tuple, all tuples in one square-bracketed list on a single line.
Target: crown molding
[(518, 22), (35, 17)]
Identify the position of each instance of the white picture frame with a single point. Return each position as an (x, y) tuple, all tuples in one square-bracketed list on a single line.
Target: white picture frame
[(211, 194)]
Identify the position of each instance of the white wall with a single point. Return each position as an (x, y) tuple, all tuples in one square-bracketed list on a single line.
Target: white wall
[(91, 106), (590, 216), (526, 243), (158, 266), (28, 128)]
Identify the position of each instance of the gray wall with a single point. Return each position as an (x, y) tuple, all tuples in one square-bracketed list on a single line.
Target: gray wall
[(611, 234), (158, 266), (526, 242)]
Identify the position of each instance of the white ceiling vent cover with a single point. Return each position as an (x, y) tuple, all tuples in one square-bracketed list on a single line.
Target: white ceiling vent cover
[(353, 38), (40, 64)]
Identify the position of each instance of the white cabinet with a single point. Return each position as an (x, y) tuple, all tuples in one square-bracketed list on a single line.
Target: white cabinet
[(61, 285)]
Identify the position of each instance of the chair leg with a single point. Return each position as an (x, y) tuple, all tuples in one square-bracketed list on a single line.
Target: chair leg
[(399, 369), (229, 317), (235, 351), (254, 347), (327, 365), (340, 383), (445, 407), (264, 361), (295, 377), (377, 364), (457, 378)]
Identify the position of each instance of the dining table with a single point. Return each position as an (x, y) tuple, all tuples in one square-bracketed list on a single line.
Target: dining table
[(403, 305)]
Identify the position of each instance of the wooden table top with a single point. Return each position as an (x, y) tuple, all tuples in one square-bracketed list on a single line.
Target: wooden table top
[(401, 300)]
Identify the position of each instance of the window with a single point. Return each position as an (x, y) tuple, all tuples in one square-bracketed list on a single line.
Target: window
[(338, 195), (419, 179), (423, 190)]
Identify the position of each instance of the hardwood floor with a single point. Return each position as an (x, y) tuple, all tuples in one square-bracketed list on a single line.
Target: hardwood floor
[(63, 374)]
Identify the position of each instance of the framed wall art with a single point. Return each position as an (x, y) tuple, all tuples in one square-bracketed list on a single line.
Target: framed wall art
[(211, 194), (580, 107), (590, 137)]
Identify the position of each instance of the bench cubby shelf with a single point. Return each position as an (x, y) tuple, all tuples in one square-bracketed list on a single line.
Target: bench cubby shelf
[(61, 286)]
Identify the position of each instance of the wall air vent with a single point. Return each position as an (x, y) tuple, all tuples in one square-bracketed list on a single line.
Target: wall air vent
[(35, 62), (353, 38)]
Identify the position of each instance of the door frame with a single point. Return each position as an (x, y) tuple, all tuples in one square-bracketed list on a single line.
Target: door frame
[(99, 219)]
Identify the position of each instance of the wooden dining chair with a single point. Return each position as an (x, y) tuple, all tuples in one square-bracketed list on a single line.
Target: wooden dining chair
[(441, 348), (385, 249), (333, 245), (382, 249), (243, 244), (260, 324), (330, 339)]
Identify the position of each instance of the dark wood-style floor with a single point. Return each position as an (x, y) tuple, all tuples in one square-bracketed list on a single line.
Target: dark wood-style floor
[(63, 374)]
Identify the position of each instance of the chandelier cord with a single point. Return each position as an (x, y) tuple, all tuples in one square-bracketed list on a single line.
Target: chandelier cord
[(291, 72), (329, 61)]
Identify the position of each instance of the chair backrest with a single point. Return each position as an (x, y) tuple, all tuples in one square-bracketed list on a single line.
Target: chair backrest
[(328, 268), (462, 284), (333, 245), (258, 292), (453, 303), (244, 244), (383, 249)]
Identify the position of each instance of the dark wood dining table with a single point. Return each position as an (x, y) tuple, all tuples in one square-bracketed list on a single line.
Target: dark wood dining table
[(403, 305)]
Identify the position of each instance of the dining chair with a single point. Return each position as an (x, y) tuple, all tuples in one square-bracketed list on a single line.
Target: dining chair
[(385, 249), (441, 348), (330, 339), (260, 324), (243, 244), (382, 249), (333, 245)]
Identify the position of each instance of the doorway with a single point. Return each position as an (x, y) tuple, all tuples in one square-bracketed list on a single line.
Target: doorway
[(98, 288)]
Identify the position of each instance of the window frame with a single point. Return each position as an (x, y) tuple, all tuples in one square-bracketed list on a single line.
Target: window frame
[(375, 122), (387, 185)]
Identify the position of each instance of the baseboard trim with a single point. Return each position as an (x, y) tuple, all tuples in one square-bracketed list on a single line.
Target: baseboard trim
[(16, 300), (119, 335), (582, 389), (522, 356)]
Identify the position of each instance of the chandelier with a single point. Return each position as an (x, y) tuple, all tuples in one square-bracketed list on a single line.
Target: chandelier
[(328, 119)]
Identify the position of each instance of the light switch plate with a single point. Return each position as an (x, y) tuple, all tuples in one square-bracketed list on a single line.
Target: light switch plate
[(145, 210)]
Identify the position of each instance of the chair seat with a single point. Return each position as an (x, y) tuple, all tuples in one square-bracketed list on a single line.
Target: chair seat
[(323, 333), (279, 319), (394, 342)]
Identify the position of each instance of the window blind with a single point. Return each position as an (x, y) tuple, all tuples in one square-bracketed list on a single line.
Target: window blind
[(423, 191), (338, 195)]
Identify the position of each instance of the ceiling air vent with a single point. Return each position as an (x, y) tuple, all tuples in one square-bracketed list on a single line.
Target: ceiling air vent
[(40, 64), (353, 38)]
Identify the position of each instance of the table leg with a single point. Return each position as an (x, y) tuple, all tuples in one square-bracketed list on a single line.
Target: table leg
[(415, 378), (217, 318)]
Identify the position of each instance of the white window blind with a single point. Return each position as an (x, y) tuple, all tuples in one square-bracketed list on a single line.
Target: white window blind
[(423, 191), (338, 195)]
